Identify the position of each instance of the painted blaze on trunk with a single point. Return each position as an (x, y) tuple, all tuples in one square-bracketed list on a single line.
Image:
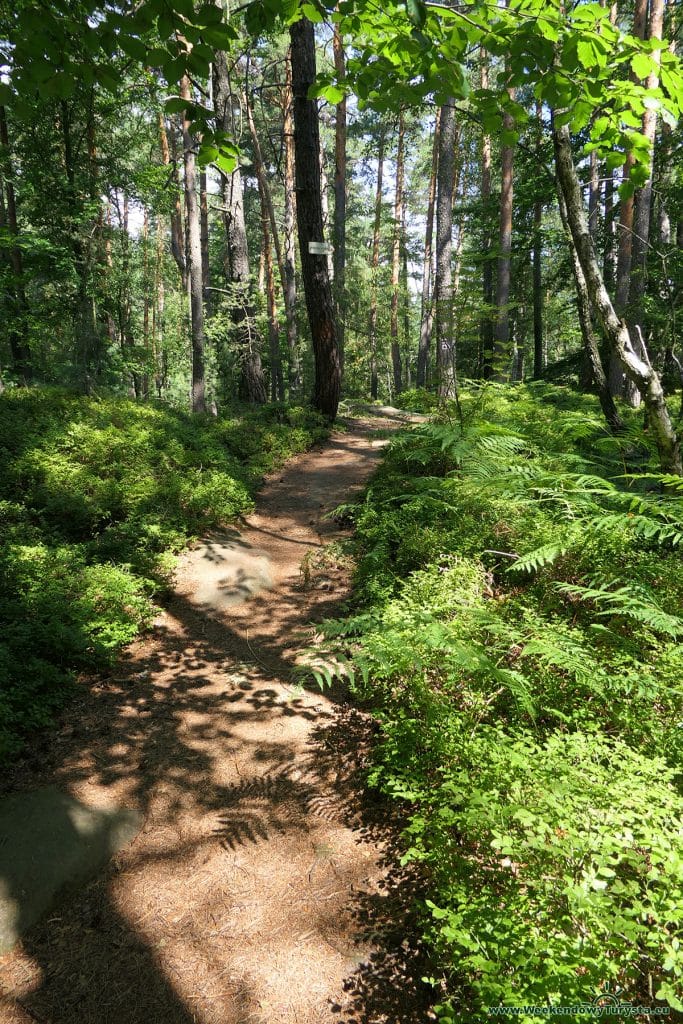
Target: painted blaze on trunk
[(317, 287)]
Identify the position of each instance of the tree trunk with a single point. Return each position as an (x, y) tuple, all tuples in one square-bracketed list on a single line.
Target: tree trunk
[(427, 307), (374, 268), (277, 385), (177, 245), (396, 254), (590, 339), (443, 282), (340, 194), (204, 224), (194, 257), (17, 305), (486, 328), (502, 332), (643, 198), (252, 386), (317, 288), (638, 367), (620, 383), (290, 231), (537, 276)]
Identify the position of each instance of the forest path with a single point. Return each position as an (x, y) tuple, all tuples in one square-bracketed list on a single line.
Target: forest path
[(237, 902)]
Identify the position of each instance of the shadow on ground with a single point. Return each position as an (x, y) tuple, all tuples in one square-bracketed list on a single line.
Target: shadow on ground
[(201, 732)]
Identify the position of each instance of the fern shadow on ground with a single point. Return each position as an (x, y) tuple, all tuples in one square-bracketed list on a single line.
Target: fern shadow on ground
[(387, 985)]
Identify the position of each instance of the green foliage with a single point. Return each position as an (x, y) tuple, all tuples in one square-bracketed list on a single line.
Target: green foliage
[(520, 638), (96, 495)]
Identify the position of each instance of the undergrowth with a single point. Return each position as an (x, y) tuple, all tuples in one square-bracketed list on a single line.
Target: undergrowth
[(96, 496), (519, 634)]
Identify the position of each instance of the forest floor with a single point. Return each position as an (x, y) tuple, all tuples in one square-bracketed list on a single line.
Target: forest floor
[(262, 885)]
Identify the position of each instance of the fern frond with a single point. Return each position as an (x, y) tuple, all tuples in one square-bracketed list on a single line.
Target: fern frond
[(627, 602)]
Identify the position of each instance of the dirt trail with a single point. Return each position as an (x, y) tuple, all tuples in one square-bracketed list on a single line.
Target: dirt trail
[(235, 902)]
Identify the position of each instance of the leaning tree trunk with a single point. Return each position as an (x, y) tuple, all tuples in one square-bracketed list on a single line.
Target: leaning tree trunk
[(443, 281), (427, 308), (374, 268), (194, 258), (317, 288), (590, 339), (252, 386), (637, 366), (396, 254)]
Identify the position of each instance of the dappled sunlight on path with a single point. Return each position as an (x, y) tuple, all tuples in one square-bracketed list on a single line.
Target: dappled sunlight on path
[(238, 900)]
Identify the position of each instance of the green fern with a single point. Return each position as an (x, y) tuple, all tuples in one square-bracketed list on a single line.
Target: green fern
[(629, 602)]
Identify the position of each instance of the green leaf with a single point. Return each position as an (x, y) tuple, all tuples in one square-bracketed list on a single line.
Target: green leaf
[(417, 12), (312, 13), (642, 64), (176, 105), (134, 47)]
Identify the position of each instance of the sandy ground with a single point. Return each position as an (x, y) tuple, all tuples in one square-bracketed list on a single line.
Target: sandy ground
[(260, 888)]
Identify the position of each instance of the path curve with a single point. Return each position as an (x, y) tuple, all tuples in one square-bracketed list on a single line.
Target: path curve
[(233, 903)]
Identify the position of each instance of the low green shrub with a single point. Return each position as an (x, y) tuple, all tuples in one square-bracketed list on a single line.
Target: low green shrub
[(519, 634), (96, 494)]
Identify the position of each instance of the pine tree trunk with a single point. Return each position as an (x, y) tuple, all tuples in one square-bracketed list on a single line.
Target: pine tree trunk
[(620, 384), (486, 327), (643, 198), (194, 258), (443, 282), (317, 288), (290, 232), (502, 352), (177, 246), (204, 223), (537, 270), (252, 386), (374, 268), (427, 307), (16, 302), (340, 195), (277, 386), (396, 255), (637, 366)]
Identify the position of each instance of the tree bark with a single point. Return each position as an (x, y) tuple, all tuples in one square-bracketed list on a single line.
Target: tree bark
[(620, 383), (427, 307), (590, 339), (636, 366), (340, 195), (177, 245), (194, 258), (537, 269), (374, 268), (396, 254), (317, 288), (443, 282), (252, 386), (290, 231), (643, 198), (502, 352), (16, 302), (277, 384), (204, 224), (486, 327)]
